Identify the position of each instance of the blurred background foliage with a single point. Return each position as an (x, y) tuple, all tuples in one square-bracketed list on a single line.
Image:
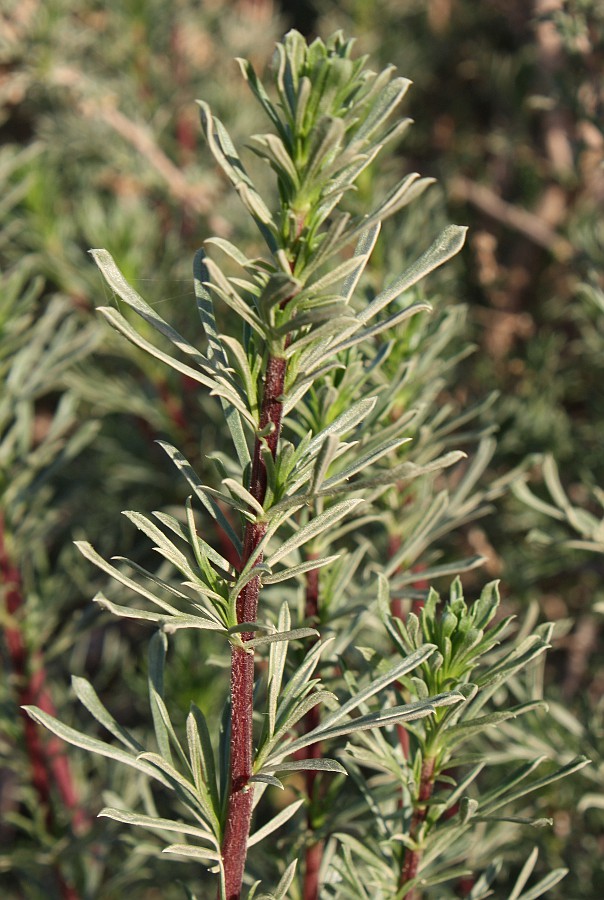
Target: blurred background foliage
[(100, 147)]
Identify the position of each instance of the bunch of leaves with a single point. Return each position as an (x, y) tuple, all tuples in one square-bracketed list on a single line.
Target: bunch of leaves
[(408, 832)]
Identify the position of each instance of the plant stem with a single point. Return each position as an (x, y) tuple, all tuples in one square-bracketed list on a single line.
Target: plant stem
[(314, 852), (241, 793), (412, 858)]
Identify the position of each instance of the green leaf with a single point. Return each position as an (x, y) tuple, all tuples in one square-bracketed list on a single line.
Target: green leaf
[(118, 283), (400, 669), (169, 623), (89, 698), (92, 745), (227, 157), (90, 553), (157, 824), (301, 765), (185, 467), (276, 822), (294, 634), (294, 571), (313, 529), (198, 731), (444, 247), (200, 854)]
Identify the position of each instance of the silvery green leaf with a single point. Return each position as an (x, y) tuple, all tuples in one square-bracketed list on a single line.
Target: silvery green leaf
[(295, 634), (264, 778), (318, 316), (229, 249), (326, 455), (117, 321), (184, 466), (169, 623), (206, 312), (276, 822), (481, 889), (301, 765), (525, 874), (198, 734), (164, 730), (382, 106), (183, 787), (313, 529), (224, 288), (227, 157), (326, 138), (363, 462), (449, 242), (242, 366), (92, 745), (159, 582), (239, 491), (456, 794), (540, 889), (341, 272), (406, 471), (318, 335), (257, 87), (391, 322), (272, 149), (222, 565), (285, 881), (200, 854), (90, 553), (288, 715), (89, 698), (401, 195), (362, 253), (407, 712), (157, 824), (293, 572), (523, 492), (169, 549), (378, 684), (510, 796), (118, 283), (300, 679), (276, 668), (361, 849), (345, 422)]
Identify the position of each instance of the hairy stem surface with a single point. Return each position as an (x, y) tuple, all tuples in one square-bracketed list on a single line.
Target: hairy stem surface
[(413, 858), (241, 793)]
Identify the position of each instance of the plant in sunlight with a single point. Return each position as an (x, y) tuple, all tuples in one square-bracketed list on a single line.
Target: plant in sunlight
[(273, 555)]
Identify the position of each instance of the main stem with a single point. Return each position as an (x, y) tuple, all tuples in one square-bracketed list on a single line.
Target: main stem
[(413, 857), (241, 793), (314, 852)]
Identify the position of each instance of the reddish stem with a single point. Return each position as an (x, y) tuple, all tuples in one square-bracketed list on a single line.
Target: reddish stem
[(314, 852), (241, 793), (412, 858), (48, 761)]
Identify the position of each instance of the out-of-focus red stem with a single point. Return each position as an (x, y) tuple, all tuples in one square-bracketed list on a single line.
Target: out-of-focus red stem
[(48, 760)]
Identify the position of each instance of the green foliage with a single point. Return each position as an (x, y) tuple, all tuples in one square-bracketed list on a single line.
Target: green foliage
[(395, 744)]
